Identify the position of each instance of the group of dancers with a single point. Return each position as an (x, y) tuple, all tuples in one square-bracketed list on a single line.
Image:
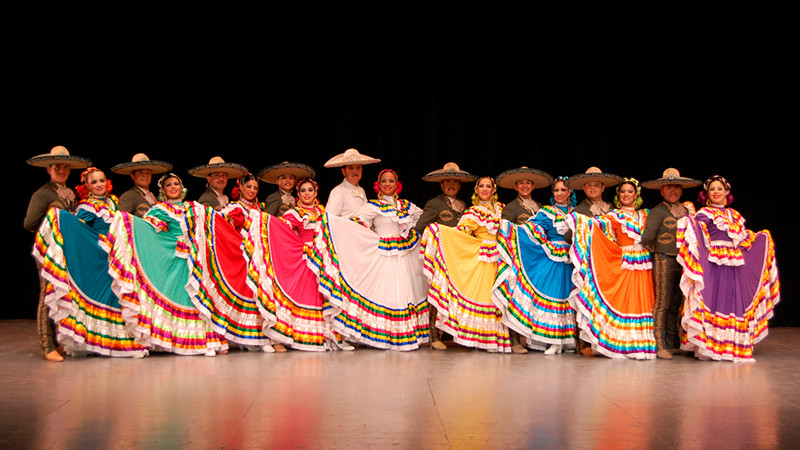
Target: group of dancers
[(154, 272)]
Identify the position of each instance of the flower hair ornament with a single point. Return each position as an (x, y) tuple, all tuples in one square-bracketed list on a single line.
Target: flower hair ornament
[(573, 199), (302, 182), (702, 196), (377, 185), (236, 192), (475, 199), (82, 190), (165, 177), (632, 181)]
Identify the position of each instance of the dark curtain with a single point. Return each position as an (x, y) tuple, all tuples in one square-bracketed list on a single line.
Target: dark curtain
[(488, 106)]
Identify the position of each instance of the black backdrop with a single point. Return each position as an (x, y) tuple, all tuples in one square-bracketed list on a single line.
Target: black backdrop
[(416, 104)]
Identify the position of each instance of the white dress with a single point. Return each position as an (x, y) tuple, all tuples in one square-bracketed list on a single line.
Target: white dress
[(370, 267)]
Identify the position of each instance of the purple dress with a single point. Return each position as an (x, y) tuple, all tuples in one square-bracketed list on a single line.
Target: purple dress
[(730, 282)]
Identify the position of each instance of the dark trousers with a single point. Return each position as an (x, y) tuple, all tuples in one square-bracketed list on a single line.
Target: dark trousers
[(666, 277)]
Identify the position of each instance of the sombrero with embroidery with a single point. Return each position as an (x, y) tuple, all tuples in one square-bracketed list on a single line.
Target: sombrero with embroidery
[(671, 176), (271, 173), (217, 164), (510, 177), (593, 174), (140, 161), (350, 156), (450, 171), (60, 155)]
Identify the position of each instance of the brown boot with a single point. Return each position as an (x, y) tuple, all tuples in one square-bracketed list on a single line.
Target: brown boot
[(438, 345), (516, 346), (54, 356), (663, 354)]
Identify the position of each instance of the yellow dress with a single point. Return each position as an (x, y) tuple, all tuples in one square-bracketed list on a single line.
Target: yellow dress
[(461, 265)]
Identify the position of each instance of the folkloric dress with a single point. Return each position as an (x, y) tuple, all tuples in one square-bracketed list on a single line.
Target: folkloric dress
[(224, 296), (613, 272), (279, 251), (370, 270), (151, 270), (534, 278), (730, 282), (73, 253), (461, 264)]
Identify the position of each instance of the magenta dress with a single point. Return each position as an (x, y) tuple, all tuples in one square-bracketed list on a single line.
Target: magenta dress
[(287, 288)]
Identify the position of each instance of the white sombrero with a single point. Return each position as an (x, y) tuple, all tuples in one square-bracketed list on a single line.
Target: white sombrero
[(140, 161), (450, 171), (351, 156), (671, 176), (217, 164), (271, 173), (510, 177), (593, 174), (60, 155)]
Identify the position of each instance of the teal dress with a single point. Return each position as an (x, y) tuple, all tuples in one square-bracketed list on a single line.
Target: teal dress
[(73, 253)]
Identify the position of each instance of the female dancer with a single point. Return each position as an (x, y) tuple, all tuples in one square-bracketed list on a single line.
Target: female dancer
[(730, 278), (461, 263), (245, 200), (615, 295), (279, 251), (150, 267), (73, 251), (372, 272), (534, 275), (225, 296)]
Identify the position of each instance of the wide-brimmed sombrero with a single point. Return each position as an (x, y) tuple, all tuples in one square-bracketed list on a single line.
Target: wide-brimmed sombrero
[(140, 161), (60, 155), (671, 176), (450, 171), (593, 174), (217, 164), (350, 156), (271, 173), (510, 177)]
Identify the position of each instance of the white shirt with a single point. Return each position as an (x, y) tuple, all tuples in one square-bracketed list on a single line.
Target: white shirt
[(345, 200)]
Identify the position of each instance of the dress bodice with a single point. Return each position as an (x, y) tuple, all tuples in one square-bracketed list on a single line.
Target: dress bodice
[(482, 221), (724, 234), (97, 212), (551, 219), (304, 221), (626, 226), (389, 217), (238, 211)]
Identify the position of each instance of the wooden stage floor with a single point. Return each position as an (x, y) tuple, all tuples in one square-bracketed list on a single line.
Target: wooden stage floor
[(379, 399)]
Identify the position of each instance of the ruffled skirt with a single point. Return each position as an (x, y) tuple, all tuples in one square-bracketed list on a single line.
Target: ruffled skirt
[(533, 284), (150, 273), (461, 274), (727, 308), (375, 282), (74, 263), (615, 294), (287, 289), (219, 276)]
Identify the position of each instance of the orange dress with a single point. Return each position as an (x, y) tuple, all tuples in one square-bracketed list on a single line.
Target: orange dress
[(615, 295)]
